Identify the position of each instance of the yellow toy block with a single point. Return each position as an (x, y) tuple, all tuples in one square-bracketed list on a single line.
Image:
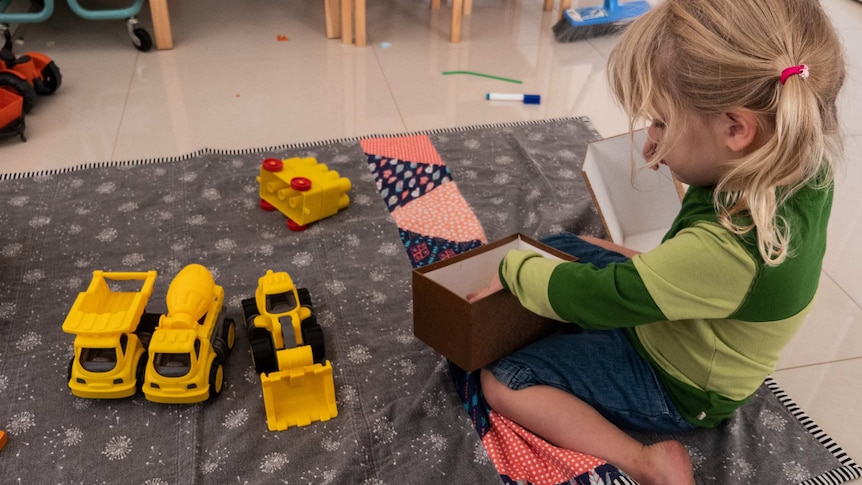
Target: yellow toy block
[(302, 189)]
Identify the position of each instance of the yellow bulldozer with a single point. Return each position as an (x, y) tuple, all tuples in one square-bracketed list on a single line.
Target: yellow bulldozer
[(289, 353)]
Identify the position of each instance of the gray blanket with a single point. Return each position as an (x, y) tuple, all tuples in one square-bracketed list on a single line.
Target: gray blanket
[(399, 418)]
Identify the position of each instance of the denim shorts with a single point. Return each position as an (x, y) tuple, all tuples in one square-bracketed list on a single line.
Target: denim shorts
[(601, 367)]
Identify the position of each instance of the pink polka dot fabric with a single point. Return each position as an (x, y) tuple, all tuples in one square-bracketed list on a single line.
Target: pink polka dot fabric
[(524, 457), (444, 213)]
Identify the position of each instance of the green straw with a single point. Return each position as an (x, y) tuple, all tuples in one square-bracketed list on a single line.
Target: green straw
[(446, 73)]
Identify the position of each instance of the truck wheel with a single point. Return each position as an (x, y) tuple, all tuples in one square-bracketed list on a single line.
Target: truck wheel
[(249, 311), (229, 334), (312, 335), (146, 327), (141, 372), (216, 379), (262, 351), (69, 372), (304, 297), (220, 347)]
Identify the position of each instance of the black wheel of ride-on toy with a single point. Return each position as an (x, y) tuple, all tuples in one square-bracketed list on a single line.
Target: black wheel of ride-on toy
[(312, 334), (142, 40), (21, 87), (262, 350), (50, 81)]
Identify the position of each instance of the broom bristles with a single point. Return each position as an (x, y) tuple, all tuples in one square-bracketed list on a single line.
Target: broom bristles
[(564, 31)]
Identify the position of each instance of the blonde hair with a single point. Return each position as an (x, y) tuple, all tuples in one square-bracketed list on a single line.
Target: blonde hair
[(710, 56)]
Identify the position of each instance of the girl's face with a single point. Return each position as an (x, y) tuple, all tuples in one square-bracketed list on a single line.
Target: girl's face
[(696, 156)]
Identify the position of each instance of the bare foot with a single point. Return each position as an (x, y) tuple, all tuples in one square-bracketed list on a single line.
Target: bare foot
[(669, 464)]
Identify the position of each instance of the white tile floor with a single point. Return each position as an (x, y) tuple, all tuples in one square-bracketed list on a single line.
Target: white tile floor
[(229, 83)]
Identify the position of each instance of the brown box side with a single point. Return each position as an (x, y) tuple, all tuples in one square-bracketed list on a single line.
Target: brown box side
[(477, 334)]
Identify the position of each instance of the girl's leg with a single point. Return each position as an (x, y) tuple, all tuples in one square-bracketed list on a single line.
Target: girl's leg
[(575, 390), (588, 249), (565, 421)]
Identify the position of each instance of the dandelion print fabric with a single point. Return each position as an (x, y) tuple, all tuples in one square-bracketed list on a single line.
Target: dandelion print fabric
[(401, 407)]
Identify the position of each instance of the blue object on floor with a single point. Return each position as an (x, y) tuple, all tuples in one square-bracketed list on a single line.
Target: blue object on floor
[(587, 22)]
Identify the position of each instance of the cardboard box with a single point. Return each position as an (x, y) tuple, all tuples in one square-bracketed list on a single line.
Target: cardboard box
[(473, 335), (636, 211)]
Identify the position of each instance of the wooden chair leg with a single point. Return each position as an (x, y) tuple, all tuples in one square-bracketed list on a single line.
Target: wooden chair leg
[(360, 22), (548, 5), (457, 11), (346, 22), (468, 7), (435, 4), (564, 5), (161, 24), (332, 11)]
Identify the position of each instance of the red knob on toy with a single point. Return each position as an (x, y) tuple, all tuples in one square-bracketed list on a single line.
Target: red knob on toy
[(295, 226), (300, 184), (273, 165)]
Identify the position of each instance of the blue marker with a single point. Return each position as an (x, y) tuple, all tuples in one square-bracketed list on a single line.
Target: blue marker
[(525, 98)]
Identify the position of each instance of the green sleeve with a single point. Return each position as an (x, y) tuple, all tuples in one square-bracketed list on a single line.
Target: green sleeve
[(610, 297), (702, 272)]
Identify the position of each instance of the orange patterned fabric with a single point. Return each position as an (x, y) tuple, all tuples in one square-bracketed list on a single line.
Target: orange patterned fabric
[(442, 213), (409, 148), (523, 456)]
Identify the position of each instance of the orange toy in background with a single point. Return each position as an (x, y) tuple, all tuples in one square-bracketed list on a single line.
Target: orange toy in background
[(27, 76), (11, 114)]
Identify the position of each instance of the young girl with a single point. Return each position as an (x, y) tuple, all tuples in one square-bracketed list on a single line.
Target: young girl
[(741, 97)]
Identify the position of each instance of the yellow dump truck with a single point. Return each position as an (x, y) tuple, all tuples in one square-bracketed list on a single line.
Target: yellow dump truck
[(192, 341), (112, 332), (289, 354)]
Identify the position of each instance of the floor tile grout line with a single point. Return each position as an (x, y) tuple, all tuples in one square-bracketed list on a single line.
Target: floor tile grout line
[(815, 364), (857, 304)]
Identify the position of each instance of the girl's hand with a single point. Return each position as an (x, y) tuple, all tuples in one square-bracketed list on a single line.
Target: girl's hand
[(493, 287)]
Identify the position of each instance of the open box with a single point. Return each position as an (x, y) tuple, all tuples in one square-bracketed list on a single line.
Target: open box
[(636, 211), (472, 335)]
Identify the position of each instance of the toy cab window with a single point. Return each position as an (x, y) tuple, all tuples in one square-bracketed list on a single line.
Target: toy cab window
[(172, 365), (98, 359), (124, 339), (280, 302), (203, 318)]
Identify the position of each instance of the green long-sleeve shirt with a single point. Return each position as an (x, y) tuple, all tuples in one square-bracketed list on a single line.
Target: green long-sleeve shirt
[(702, 307)]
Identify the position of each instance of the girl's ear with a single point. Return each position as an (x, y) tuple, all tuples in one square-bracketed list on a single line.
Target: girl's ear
[(739, 129)]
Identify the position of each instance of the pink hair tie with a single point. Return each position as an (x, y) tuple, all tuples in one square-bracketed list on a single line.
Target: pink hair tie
[(801, 69)]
